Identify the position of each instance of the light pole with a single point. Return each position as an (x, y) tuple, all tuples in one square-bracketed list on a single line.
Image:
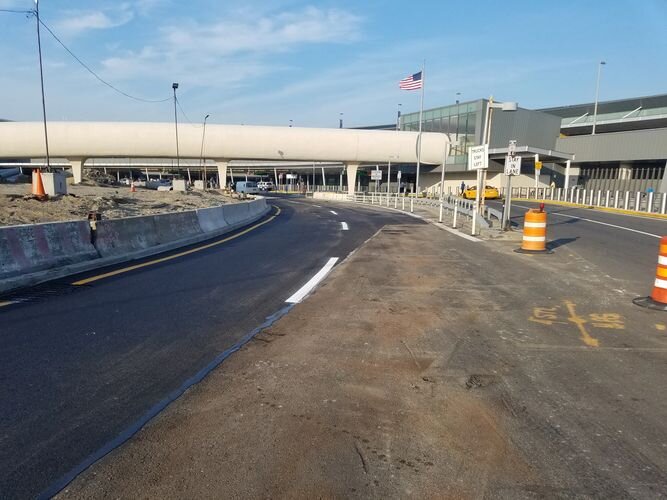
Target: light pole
[(178, 155), (481, 177), (597, 93), (398, 117), (458, 120), (41, 78), (201, 152), (340, 120)]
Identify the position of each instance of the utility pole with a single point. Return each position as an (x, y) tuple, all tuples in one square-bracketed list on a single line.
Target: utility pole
[(201, 153), (41, 78), (597, 93), (178, 155)]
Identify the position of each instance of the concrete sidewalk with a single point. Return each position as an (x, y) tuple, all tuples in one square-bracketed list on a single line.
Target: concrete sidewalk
[(426, 366)]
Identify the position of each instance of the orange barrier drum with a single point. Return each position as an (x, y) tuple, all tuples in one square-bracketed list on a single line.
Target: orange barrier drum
[(534, 232), (658, 297)]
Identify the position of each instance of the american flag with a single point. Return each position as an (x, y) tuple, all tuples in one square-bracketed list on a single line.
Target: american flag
[(412, 82)]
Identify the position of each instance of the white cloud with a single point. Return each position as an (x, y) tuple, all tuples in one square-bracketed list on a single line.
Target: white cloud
[(77, 22)]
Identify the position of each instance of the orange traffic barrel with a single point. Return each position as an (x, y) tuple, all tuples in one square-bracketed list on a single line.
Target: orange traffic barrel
[(658, 297), (534, 232)]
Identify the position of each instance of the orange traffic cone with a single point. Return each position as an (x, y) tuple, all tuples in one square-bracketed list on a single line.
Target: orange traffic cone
[(38, 186), (132, 188), (658, 298)]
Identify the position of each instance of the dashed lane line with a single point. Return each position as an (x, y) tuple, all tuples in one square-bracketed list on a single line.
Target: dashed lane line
[(344, 226), (335, 213)]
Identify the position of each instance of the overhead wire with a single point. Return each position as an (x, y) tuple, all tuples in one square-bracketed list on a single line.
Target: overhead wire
[(98, 77)]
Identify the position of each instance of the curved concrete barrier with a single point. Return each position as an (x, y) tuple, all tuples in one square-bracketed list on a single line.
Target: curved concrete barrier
[(37, 247), (176, 226), (130, 234), (211, 219), (236, 214)]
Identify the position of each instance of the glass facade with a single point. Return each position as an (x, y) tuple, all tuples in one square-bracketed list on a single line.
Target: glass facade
[(458, 121)]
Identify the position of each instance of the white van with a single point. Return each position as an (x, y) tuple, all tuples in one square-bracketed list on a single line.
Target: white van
[(247, 187), (265, 185)]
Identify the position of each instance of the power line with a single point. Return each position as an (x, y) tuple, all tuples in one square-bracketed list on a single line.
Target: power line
[(18, 11), (182, 111), (95, 74)]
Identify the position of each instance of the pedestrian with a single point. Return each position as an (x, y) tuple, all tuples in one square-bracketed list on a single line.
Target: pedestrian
[(463, 187), (553, 184)]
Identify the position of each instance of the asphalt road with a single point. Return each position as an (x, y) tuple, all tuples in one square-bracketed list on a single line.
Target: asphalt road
[(623, 247), (80, 365)]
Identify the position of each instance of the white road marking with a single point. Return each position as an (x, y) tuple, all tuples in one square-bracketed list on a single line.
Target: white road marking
[(318, 206), (457, 233), (344, 226), (335, 213), (599, 222), (313, 282)]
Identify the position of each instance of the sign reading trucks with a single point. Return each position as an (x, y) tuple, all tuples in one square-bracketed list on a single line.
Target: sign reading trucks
[(478, 157)]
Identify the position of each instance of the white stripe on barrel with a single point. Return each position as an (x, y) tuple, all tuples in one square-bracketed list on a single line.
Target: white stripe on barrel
[(662, 260), (660, 283), (534, 224), (534, 238)]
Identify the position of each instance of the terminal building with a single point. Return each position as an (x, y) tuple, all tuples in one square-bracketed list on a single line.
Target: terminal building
[(628, 150)]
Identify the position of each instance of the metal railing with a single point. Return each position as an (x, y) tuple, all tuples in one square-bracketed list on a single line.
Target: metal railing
[(638, 201)]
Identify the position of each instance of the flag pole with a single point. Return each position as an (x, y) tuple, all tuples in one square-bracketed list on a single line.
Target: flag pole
[(419, 137)]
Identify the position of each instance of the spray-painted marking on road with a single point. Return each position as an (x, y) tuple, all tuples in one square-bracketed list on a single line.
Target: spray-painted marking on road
[(335, 213), (552, 315), (661, 327), (177, 255), (313, 282), (344, 226)]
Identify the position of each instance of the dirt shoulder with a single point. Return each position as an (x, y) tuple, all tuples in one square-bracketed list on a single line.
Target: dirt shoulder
[(415, 371), (112, 202)]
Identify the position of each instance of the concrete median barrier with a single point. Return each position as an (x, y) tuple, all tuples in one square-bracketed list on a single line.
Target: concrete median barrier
[(211, 219), (37, 247), (32, 254), (237, 214)]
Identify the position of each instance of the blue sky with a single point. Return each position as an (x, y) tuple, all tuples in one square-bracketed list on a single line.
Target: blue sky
[(266, 62)]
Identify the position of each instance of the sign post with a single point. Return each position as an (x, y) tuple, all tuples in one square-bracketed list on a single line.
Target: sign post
[(376, 175), (512, 168), (478, 159)]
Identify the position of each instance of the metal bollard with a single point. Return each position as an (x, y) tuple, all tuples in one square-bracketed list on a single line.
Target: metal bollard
[(412, 205), (649, 203), (616, 193), (396, 201), (440, 217), (626, 202), (606, 199), (638, 200), (599, 198), (456, 209)]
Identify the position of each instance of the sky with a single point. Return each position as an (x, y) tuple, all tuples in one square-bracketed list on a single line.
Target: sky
[(269, 62)]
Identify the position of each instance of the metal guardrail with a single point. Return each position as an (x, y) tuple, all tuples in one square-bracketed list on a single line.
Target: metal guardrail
[(450, 203), (647, 202)]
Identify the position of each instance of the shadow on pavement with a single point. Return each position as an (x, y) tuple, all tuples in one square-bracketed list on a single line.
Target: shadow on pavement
[(551, 245)]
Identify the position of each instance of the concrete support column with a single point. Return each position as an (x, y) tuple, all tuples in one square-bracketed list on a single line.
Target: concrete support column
[(222, 172), (568, 164), (625, 171), (663, 182), (77, 169), (351, 177)]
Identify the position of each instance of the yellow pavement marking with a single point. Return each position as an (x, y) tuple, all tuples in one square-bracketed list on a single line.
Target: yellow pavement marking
[(660, 326), (580, 322), (603, 209), (175, 256)]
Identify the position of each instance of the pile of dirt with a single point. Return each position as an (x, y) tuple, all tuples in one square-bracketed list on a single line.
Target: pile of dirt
[(17, 207)]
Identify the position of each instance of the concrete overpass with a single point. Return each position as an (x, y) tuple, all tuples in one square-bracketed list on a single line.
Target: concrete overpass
[(80, 141)]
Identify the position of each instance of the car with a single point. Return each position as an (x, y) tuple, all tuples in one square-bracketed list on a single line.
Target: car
[(265, 186), (490, 193), (247, 187)]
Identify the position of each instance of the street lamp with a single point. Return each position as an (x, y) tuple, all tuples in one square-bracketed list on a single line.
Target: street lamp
[(178, 155), (481, 179), (41, 78), (597, 92), (340, 120), (458, 120), (201, 151), (398, 117)]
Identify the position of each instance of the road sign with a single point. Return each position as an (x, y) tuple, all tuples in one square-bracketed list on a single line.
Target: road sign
[(478, 157), (376, 175), (538, 165), (511, 150), (512, 165), (398, 176), (291, 176)]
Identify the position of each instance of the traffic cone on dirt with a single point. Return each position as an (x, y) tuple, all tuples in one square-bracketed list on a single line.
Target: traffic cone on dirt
[(38, 186), (658, 298), (132, 188)]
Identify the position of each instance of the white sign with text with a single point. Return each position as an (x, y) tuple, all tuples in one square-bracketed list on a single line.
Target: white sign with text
[(478, 157)]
